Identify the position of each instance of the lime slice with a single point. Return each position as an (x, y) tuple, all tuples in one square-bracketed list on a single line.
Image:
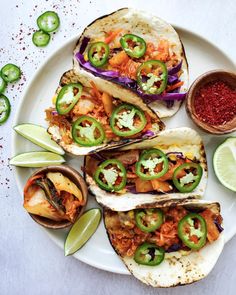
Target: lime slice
[(37, 159), (82, 230), (224, 162), (38, 135)]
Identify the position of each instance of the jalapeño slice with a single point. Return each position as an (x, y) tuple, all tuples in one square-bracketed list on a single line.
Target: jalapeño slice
[(98, 54), (5, 108), (87, 131), (3, 85), (127, 120), (152, 164), (152, 76), (48, 21), (133, 45), (148, 220), (40, 38), (68, 97), (192, 175), (192, 230), (111, 175), (10, 73), (149, 254)]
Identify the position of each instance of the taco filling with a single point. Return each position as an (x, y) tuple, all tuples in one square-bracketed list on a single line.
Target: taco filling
[(151, 68), (147, 234), (88, 117), (145, 171)]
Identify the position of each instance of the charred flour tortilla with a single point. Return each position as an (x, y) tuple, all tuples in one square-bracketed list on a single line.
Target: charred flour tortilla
[(154, 31), (179, 267), (60, 126), (183, 142)]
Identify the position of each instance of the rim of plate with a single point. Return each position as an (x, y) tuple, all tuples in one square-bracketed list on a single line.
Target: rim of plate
[(17, 114)]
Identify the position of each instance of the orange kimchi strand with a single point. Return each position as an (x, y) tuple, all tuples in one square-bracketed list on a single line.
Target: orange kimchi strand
[(167, 235), (95, 91), (149, 123), (127, 241), (124, 64), (212, 230), (171, 169), (174, 86), (71, 204), (112, 35), (129, 68), (161, 52)]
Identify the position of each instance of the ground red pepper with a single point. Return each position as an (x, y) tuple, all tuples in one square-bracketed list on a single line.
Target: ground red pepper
[(215, 103)]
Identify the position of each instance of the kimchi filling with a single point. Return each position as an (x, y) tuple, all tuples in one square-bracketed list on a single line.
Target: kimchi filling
[(126, 236), (135, 184), (98, 105)]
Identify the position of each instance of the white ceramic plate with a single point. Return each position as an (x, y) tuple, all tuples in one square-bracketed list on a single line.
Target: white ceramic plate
[(202, 56)]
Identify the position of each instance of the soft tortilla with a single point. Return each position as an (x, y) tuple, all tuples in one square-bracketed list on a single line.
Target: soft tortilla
[(177, 267)]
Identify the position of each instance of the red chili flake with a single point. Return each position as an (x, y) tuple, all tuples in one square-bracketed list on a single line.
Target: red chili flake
[(215, 103)]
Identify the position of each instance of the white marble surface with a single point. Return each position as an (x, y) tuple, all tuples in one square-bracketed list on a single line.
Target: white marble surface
[(29, 262)]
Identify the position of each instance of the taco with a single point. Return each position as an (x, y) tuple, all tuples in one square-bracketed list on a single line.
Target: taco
[(175, 243), (86, 120), (137, 55), (171, 166)]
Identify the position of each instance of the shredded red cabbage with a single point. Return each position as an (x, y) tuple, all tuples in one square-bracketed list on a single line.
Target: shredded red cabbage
[(219, 227), (54, 113), (175, 69), (173, 248), (172, 79), (177, 154), (132, 189), (129, 83), (148, 98), (84, 44), (109, 75), (148, 133)]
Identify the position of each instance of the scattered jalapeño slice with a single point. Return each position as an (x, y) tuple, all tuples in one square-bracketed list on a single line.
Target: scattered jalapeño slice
[(5, 108), (41, 38), (48, 21)]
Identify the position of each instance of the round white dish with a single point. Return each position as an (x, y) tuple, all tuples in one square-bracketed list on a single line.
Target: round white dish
[(202, 56)]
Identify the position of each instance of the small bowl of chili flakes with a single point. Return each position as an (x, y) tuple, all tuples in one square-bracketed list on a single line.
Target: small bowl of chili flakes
[(211, 102)]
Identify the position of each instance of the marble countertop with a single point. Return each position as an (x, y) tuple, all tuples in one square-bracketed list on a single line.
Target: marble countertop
[(30, 263)]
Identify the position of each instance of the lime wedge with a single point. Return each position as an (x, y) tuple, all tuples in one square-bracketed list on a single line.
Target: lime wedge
[(82, 230), (224, 163), (37, 159), (38, 135)]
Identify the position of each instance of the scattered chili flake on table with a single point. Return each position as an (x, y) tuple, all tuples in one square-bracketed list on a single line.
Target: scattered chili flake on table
[(215, 103)]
